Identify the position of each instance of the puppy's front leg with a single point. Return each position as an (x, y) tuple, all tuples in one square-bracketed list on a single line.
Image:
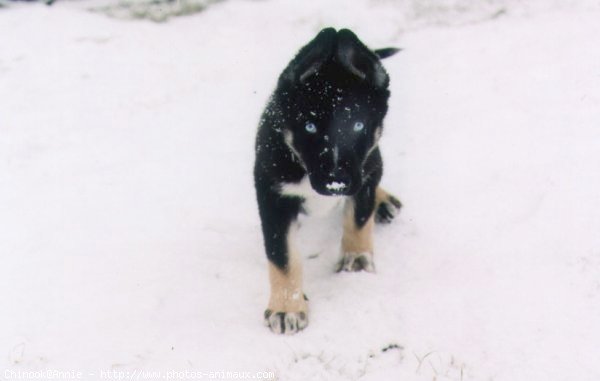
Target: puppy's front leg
[(357, 240), (287, 311), (386, 206)]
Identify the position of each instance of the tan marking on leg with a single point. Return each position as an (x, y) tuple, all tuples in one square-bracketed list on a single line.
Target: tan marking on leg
[(355, 239), (381, 195), (386, 206), (286, 290), (286, 286), (357, 243), (287, 310)]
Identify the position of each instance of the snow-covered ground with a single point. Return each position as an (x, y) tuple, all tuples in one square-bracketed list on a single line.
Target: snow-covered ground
[(130, 240)]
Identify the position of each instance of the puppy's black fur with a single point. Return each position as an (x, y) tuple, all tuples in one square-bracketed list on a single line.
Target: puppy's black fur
[(321, 124)]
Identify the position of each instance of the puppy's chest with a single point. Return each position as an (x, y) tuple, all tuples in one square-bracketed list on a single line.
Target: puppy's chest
[(314, 204)]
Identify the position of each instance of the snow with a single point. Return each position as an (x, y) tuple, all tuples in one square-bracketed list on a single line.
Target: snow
[(129, 233), (335, 185)]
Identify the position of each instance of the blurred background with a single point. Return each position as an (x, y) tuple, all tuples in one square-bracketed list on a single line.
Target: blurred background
[(414, 13)]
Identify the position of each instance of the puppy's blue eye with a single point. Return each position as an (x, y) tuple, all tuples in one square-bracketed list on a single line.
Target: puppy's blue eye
[(358, 126), (311, 128)]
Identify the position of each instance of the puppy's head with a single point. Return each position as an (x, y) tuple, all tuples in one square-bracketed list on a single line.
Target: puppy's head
[(333, 97)]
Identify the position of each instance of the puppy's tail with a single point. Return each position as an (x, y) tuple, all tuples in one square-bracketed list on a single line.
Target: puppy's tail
[(386, 52)]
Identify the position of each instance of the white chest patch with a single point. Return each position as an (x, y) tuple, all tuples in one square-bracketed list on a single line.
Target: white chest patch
[(314, 203)]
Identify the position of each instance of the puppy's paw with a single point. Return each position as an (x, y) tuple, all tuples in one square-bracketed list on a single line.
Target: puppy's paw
[(356, 262), (387, 209), (287, 323)]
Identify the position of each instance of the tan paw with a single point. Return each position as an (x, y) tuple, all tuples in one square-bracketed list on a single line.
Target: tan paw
[(387, 209), (287, 323), (356, 262)]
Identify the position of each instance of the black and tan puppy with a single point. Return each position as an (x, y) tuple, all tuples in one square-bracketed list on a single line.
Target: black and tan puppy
[(317, 147)]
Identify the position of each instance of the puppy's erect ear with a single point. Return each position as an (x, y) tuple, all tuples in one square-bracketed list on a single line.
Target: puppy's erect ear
[(359, 60), (311, 57), (386, 52)]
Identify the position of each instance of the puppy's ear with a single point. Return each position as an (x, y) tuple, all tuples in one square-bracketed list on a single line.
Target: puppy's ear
[(386, 52), (311, 57), (359, 60)]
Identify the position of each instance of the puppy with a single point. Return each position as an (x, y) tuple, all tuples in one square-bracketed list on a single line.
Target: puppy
[(317, 147)]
